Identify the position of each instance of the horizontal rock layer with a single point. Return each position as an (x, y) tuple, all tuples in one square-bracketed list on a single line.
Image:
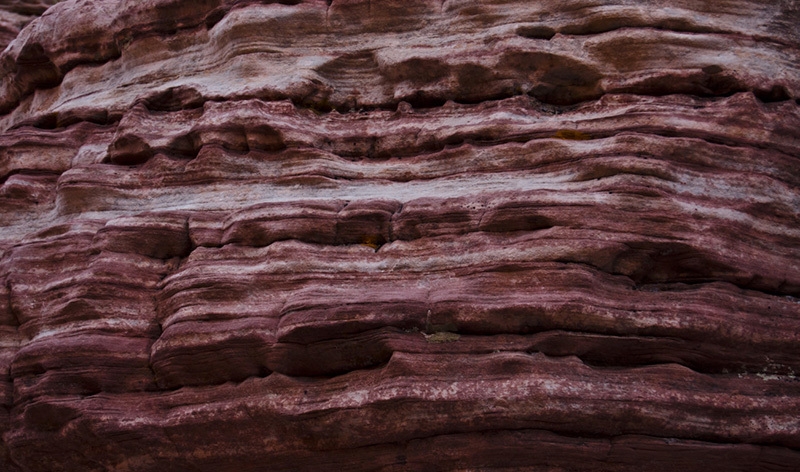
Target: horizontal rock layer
[(415, 235)]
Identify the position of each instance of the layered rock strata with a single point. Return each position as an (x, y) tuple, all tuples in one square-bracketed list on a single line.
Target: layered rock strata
[(16, 14), (400, 235)]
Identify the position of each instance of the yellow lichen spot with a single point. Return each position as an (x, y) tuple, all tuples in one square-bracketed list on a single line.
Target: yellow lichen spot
[(442, 337), (571, 134), (373, 240)]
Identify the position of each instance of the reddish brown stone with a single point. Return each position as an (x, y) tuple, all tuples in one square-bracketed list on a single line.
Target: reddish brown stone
[(399, 235)]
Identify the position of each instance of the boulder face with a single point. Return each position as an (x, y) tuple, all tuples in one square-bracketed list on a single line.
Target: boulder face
[(246, 235)]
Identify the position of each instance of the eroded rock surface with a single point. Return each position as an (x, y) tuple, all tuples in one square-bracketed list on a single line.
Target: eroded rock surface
[(400, 235), (16, 14)]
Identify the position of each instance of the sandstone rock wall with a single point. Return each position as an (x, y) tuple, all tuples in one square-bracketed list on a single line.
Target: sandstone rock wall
[(16, 14), (400, 235)]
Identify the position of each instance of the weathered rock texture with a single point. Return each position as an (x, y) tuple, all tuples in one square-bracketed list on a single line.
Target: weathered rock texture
[(400, 235), (15, 14)]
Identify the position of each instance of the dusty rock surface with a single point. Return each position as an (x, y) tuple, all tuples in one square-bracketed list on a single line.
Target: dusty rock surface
[(16, 14), (399, 235)]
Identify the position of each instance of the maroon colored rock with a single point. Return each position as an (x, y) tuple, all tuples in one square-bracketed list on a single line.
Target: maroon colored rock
[(399, 235)]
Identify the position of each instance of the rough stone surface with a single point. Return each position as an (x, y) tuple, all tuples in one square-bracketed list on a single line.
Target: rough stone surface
[(399, 235), (16, 14)]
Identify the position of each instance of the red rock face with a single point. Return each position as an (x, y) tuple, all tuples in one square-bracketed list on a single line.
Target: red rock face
[(400, 235), (16, 14)]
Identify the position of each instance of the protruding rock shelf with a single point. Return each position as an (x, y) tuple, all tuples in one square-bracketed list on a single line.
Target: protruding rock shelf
[(241, 235)]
